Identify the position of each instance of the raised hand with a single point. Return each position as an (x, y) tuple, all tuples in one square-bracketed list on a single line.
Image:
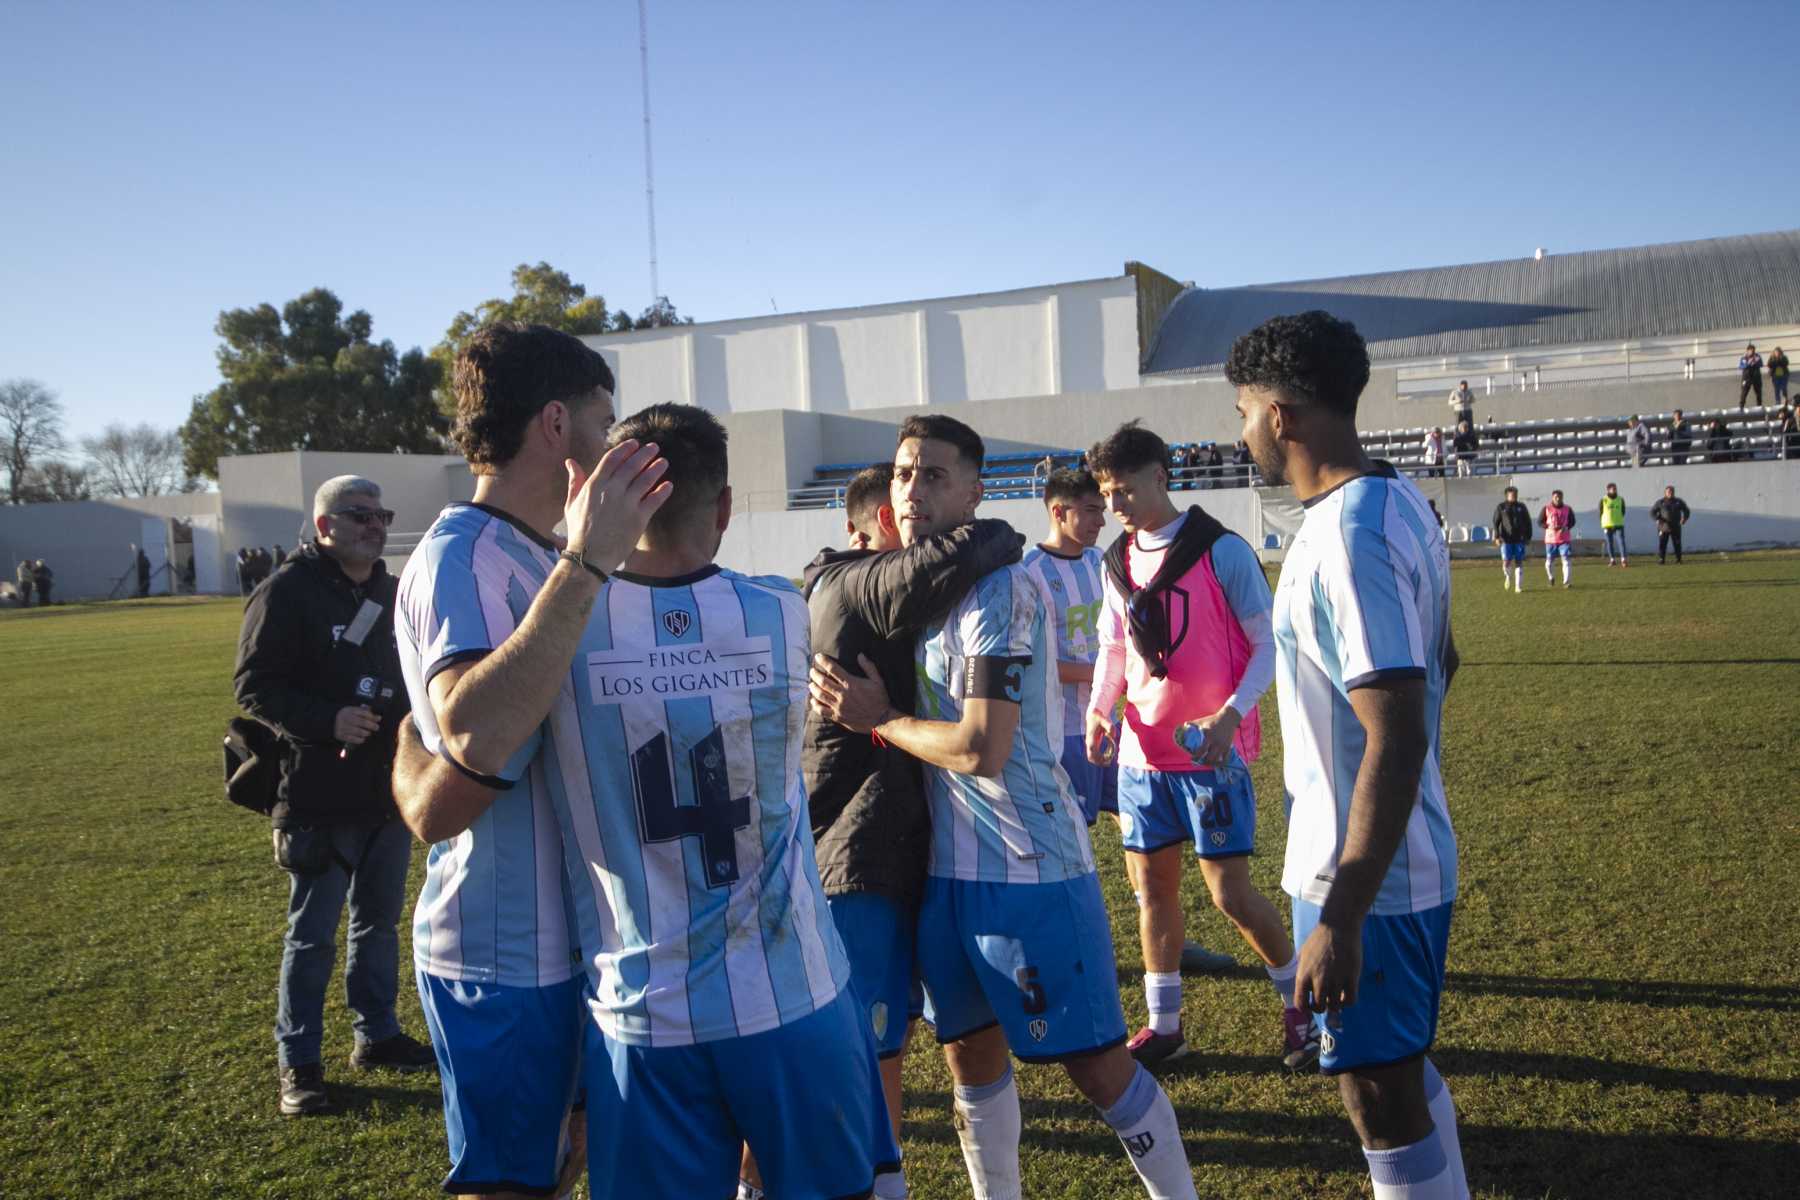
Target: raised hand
[(606, 511)]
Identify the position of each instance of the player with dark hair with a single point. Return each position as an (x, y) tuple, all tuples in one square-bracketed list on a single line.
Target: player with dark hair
[(497, 963), (1020, 951), (867, 799), (1185, 640), (1066, 568), (1362, 626)]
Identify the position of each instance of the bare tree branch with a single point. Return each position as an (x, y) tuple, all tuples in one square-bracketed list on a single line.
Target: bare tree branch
[(30, 426)]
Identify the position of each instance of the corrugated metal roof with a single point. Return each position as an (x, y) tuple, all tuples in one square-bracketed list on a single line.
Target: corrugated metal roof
[(1564, 299)]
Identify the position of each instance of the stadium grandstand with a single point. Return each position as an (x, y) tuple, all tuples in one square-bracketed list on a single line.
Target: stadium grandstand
[(1559, 351)]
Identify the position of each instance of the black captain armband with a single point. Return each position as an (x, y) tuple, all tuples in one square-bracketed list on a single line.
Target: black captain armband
[(490, 781), (996, 677)]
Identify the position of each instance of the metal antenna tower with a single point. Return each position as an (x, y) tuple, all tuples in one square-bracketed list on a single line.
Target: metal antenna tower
[(649, 167)]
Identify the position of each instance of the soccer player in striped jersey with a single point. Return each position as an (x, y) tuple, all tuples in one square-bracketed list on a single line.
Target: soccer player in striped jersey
[(1365, 657), (497, 968), (1185, 639), (1015, 949), (716, 982), (1066, 568)]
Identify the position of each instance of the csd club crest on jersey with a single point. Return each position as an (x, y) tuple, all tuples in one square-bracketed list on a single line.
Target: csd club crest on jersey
[(677, 621), (1039, 1028)]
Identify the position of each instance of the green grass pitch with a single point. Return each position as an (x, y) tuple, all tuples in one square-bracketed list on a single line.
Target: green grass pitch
[(1620, 1022)]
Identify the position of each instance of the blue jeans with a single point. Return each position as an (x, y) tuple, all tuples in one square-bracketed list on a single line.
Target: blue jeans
[(375, 890), (1614, 534)]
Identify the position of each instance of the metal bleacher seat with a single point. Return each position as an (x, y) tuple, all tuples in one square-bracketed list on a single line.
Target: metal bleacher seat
[(1271, 541), (1479, 533)]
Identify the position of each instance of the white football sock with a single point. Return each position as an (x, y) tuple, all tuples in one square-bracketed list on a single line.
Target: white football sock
[(987, 1125), (1416, 1172), (891, 1185), (1567, 567), (1145, 1122), (1443, 1115), (1283, 979), (1162, 991)]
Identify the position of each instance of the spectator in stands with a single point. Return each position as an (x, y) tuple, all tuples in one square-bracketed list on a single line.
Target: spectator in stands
[(1240, 458), (1718, 441), (1214, 463), (1462, 403), (26, 581), (43, 577), (1434, 452), (142, 562), (1612, 523), (1041, 472), (1778, 375), (1512, 533), (1670, 514), (1637, 440), (1788, 436), (1750, 375), (1681, 436), (1558, 522), (1465, 443)]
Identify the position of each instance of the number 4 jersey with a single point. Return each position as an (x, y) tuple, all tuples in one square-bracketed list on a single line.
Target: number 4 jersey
[(673, 761)]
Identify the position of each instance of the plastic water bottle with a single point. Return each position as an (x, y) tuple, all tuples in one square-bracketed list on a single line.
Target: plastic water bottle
[(1190, 737)]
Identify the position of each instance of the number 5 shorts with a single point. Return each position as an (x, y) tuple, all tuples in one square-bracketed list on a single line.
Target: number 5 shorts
[(1215, 810), (1034, 958)]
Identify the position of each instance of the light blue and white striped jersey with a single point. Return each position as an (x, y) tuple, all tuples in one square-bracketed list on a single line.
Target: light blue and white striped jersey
[(495, 905), (1364, 595), (1026, 825), (1072, 600), (673, 757)]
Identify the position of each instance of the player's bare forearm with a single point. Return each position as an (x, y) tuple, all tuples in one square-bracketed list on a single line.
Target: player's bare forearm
[(1074, 672), (436, 801), (979, 744), (1392, 714), (487, 710)]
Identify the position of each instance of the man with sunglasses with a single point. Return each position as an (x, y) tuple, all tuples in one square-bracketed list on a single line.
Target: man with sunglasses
[(317, 663)]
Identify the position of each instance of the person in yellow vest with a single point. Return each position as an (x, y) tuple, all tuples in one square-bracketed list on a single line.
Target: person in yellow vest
[(1612, 524)]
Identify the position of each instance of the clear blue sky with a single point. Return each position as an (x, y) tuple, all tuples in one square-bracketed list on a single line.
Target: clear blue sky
[(166, 161)]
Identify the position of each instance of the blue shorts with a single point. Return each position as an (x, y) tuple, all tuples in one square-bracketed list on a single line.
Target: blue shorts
[(1163, 808), (508, 1058), (877, 933), (806, 1097), (1512, 551), (1396, 1011), (1034, 958), (1096, 787), (1558, 551)]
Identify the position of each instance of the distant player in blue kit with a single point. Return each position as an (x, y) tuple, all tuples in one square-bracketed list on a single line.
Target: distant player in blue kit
[(1365, 657), (497, 967), (1015, 948), (1066, 568)]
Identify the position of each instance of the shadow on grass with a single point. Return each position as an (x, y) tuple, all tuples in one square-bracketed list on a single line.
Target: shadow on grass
[(1636, 662), (359, 1098), (1655, 993), (1571, 1068), (1526, 1163)]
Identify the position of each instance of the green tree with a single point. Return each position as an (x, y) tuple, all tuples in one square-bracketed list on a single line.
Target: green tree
[(309, 378), (543, 295)]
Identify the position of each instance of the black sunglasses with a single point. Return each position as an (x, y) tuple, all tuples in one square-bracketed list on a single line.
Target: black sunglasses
[(367, 517)]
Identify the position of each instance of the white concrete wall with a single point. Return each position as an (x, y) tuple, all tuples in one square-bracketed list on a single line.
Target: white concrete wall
[(87, 542), (268, 497), (957, 350), (1736, 506)]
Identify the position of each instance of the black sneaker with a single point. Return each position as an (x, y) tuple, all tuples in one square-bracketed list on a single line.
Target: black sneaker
[(398, 1053), (303, 1091)]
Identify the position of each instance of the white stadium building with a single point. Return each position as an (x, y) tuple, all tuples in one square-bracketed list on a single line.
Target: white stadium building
[(1559, 348)]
